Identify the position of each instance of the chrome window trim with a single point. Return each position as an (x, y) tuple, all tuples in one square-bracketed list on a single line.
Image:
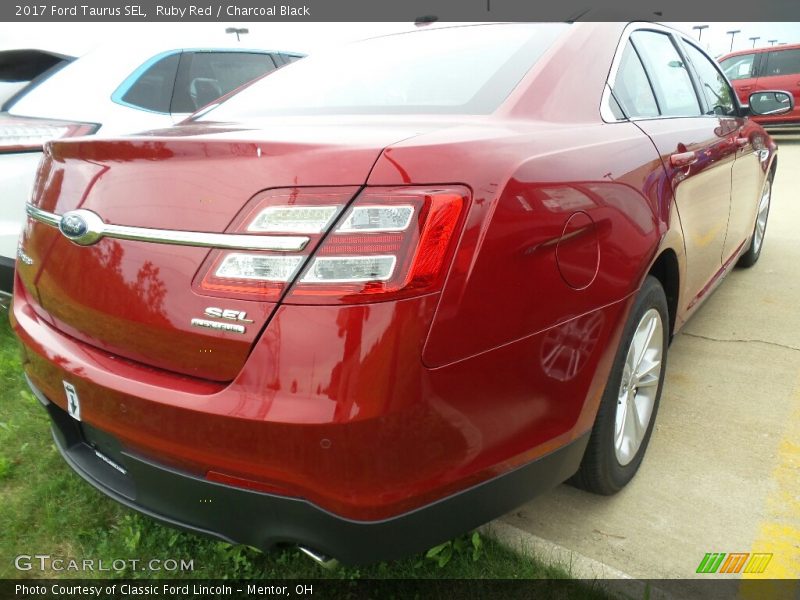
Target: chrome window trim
[(678, 38), (225, 241)]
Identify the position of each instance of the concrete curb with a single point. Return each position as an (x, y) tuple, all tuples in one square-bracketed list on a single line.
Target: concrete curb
[(577, 565)]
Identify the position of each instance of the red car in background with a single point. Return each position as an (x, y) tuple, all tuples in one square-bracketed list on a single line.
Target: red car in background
[(773, 68), (390, 292)]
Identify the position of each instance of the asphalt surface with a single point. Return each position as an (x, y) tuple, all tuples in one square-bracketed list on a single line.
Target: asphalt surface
[(722, 472)]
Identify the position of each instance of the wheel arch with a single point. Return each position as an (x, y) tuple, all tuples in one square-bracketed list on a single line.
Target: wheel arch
[(666, 269)]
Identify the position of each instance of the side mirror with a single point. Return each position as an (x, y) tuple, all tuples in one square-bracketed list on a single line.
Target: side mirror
[(771, 103)]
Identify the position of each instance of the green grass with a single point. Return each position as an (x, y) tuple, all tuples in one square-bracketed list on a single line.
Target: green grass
[(47, 509)]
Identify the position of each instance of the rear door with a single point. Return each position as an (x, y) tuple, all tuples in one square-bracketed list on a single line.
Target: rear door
[(695, 147), (748, 174), (781, 71)]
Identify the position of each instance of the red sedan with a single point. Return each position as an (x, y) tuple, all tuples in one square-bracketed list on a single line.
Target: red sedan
[(391, 292)]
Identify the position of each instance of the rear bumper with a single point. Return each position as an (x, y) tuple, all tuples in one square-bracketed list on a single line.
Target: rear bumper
[(356, 450), (265, 520)]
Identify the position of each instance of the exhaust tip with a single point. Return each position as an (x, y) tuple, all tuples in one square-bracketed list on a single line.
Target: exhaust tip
[(323, 560)]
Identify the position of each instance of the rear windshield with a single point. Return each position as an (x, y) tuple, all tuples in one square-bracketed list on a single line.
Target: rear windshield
[(457, 70)]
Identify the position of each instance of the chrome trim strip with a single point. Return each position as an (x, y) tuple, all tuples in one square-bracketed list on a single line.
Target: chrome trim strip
[(43, 216), (226, 241)]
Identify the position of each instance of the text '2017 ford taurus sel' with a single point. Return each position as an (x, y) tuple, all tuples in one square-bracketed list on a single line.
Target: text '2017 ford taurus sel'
[(391, 292)]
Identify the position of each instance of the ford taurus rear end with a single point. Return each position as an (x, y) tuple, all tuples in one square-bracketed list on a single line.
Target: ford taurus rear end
[(360, 309)]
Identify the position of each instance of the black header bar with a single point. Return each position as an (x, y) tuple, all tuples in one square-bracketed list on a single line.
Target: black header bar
[(400, 10)]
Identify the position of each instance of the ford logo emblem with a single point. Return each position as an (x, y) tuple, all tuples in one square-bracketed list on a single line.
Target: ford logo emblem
[(73, 226), (82, 227)]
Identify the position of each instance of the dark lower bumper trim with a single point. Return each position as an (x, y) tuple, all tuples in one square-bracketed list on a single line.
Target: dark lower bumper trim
[(264, 520)]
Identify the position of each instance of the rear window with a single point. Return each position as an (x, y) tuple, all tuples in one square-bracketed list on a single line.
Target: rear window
[(152, 90), (205, 76), (458, 70), (22, 70), (632, 87), (24, 65), (783, 62)]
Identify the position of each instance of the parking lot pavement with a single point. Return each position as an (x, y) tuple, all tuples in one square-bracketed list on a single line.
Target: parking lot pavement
[(722, 472)]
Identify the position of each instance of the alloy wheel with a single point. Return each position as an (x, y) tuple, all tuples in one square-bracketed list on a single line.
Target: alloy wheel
[(639, 386), (761, 219)]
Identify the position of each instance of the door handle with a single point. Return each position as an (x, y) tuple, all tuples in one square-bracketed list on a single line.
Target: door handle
[(683, 159), (747, 88)]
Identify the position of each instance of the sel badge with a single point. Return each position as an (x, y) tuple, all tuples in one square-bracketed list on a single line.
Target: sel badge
[(73, 404)]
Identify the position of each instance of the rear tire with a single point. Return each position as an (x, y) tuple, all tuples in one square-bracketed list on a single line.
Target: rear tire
[(629, 405), (749, 258)]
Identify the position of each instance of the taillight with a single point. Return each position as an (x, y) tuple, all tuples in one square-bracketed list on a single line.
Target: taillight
[(261, 275), (390, 243), (27, 134)]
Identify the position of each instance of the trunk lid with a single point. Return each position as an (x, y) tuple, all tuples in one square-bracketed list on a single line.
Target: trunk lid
[(135, 299)]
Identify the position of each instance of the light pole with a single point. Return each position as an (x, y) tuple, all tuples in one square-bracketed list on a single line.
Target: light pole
[(753, 39), (733, 33), (700, 31), (237, 31), (772, 42)]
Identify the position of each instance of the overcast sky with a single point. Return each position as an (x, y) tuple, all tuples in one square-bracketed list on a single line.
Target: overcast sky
[(77, 38), (716, 41)]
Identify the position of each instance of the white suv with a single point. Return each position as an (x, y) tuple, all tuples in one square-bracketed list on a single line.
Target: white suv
[(114, 90)]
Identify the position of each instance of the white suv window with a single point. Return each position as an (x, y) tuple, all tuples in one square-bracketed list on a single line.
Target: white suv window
[(205, 76), (152, 90)]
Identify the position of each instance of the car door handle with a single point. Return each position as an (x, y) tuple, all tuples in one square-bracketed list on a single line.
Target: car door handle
[(746, 88), (683, 159)]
